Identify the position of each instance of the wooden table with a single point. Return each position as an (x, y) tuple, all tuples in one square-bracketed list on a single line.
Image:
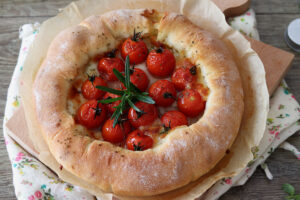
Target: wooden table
[(273, 16)]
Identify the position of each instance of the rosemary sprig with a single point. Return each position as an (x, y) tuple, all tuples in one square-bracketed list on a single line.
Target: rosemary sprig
[(128, 96)]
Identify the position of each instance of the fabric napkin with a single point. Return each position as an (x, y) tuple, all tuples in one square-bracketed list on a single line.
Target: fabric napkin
[(33, 181)]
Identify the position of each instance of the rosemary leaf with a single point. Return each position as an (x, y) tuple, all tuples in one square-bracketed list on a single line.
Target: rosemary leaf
[(111, 100), (122, 104), (121, 78), (116, 118), (133, 106), (127, 73), (145, 99), (107, 89), (119, 75)]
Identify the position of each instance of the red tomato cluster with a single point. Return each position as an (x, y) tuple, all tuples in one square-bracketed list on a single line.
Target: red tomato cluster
[(160, 63)]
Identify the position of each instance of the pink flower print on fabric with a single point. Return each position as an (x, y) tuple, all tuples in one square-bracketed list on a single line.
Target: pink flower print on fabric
[(247, 170), (38, 194), (19, 156), (228, 181), (31, 197), (248, 13), (6, 141)]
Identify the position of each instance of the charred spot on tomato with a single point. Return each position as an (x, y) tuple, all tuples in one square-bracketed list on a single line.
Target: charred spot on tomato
[(193, 70), (138, 147), (159, 50), (168, 95)]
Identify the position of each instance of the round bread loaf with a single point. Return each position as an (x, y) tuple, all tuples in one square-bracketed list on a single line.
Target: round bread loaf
[(186, 153)]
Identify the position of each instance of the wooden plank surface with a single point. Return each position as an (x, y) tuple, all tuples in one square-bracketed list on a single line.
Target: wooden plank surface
[(273, 16)]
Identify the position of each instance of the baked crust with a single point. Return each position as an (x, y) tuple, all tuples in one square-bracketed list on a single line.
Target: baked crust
[(184, 154)]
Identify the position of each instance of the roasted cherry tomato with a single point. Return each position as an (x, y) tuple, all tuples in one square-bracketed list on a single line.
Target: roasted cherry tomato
[(89, 90), (115, 134), (139, 78), (190, 103), (135, 48), (146, 117), (106, 66), (174, 118), (110, 106), (161, 62), (138, 141), (91, 114), (163, 93), (184, 76)]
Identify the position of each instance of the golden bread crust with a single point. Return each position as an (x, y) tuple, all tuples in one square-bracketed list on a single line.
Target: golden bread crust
[(184, 154)]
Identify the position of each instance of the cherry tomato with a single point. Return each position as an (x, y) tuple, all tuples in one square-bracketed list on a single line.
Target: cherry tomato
[(115, 134), (190, 103), (135, 48), (138, 141), (110, 106), (106, 66), (174, 118), (147, 117), (161, 62), (91, 114), (89, 90), (163, 93), (184, 76), (139, 78)]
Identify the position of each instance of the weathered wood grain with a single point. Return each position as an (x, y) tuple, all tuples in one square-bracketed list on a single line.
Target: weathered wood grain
[(276, 6), (34, 8), (31, 8), (273, 16), (271, 28)]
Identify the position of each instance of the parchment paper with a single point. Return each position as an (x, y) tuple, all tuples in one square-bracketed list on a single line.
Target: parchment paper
[(201, 12)]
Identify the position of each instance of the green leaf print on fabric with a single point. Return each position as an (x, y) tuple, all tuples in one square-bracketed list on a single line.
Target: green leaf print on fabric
[(22, 161), (286, 89), (254, 151), (280, 107), (280, 116), (16, 102), (270, 121), (271, 150), (54, 179), (48, 195)]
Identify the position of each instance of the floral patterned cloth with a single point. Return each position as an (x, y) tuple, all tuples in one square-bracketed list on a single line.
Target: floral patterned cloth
[(34, 181)]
